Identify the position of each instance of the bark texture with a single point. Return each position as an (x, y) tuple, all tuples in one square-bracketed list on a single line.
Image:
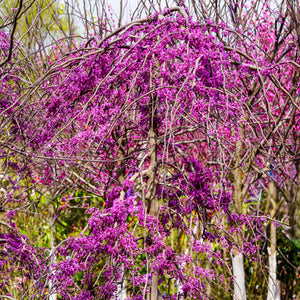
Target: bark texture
[(273, 285)]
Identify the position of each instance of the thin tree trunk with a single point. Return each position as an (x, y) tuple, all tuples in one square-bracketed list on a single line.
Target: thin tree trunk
[(52, 289), (297, 211), (151, 197), (273, 285), (238, 257), (121, 287), (239, 276)]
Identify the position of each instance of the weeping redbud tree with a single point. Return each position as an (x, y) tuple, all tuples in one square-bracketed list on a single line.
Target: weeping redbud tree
[(146, 122)]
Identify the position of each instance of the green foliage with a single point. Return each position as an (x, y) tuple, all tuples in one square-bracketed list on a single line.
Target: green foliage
[(288, 263), (40, 22)]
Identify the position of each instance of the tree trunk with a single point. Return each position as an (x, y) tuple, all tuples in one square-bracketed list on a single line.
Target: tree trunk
[(52, 289), (152, 198), (238, 257), (273, 285), (239, 276), (296, 226), (121, 287)]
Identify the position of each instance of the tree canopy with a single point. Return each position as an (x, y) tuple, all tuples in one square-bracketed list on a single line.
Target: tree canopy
[(156, 160)]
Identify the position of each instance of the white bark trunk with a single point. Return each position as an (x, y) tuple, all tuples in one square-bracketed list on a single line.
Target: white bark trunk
[(121, 288), (123, 294), (239, 277), (273, 285), (238, 257), (179, 288), (52, 290), (53, 296)]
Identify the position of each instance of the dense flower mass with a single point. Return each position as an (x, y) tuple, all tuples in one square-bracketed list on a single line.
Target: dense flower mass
[(161, 134)]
